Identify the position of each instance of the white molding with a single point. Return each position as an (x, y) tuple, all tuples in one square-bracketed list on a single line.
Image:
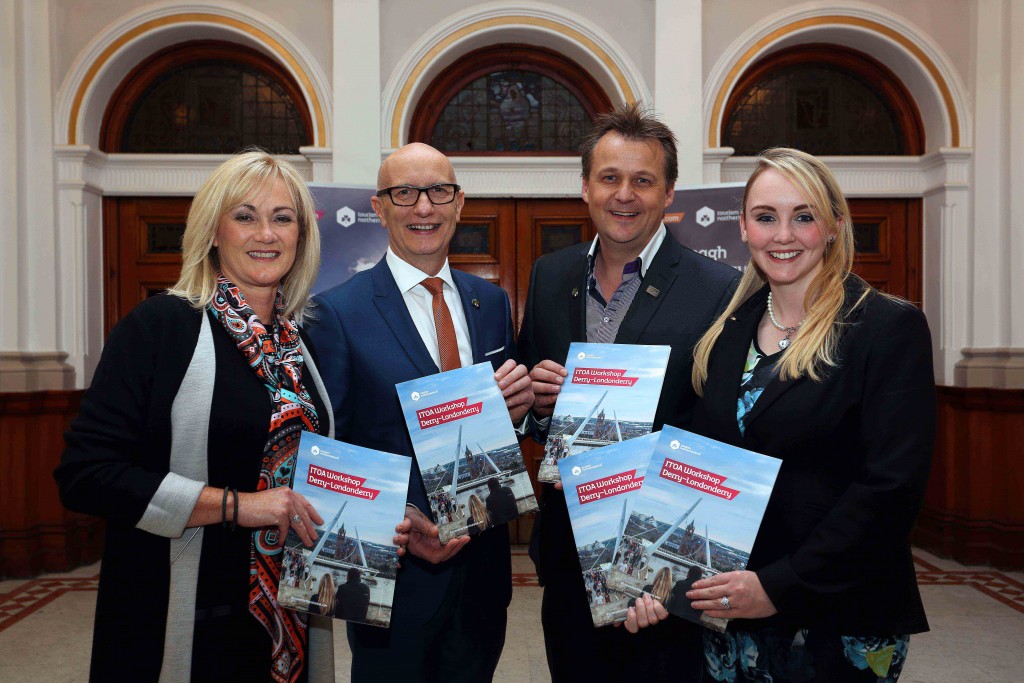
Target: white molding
[(127, 56), (82, 167), (714, 157), (872, 176), (518, 177), (842, 34), (519, 33)]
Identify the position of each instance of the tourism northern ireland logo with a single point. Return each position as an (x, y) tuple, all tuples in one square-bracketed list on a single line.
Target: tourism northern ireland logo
[(705, 216), (346, 217)]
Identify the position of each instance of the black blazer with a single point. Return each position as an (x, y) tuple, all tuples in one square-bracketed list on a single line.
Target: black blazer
[(677, 301), (833, 549)]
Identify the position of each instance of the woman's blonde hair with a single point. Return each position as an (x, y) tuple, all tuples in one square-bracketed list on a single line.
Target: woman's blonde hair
[(478, 511), (325, 592), (662, 585), (814, 345), (236, 180)]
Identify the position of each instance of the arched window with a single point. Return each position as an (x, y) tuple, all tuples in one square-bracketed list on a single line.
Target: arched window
[(509, 99), (825, 100), (207, 97)]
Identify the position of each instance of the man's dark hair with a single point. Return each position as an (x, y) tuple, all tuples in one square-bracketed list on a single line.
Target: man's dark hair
[(492, 484), (633, 121), (353, 574)]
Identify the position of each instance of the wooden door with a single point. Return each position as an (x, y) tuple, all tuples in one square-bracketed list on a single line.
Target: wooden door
[(142, 249), (499, 239), (887, 235)]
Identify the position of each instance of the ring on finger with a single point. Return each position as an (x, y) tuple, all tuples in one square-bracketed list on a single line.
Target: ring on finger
[(724, 601), (296, 518)]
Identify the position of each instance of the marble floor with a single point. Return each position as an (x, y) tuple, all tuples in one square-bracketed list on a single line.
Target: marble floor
[(976, 615)]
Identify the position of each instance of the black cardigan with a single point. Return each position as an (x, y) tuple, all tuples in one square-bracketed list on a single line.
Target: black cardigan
[(118, 452), (833, 549)]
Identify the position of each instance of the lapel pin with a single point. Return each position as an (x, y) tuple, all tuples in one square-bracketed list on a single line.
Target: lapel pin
[(575, 292), (476, 303), (653, 291)]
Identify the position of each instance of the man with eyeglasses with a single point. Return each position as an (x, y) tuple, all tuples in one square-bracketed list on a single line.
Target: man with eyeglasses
[(409, 316)]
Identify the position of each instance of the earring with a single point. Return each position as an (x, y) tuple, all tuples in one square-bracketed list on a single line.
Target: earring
[(831, 239)]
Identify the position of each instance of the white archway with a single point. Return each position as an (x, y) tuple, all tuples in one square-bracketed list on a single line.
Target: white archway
[(100, 67), (907, 50), (532, 23)]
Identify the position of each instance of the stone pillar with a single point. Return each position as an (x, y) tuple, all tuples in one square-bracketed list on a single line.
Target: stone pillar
[(993, 355), (356, 91), (679, 81), (31, 355)]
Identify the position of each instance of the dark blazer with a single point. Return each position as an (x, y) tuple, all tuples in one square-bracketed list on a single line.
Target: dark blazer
[(677, 301), (118, 452), (833, 549), (367, 343)]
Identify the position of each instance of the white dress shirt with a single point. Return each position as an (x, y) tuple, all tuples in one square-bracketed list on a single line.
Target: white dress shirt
[(420, 304)]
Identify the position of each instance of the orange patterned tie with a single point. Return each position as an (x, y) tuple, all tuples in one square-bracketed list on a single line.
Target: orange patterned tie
[(447, 344)]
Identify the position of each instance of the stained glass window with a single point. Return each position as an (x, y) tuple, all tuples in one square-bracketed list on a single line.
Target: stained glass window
[(512, 111), (214, 107), (817, 107)]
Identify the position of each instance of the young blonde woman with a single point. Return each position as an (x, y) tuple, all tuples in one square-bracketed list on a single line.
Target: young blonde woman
[(811, 365)]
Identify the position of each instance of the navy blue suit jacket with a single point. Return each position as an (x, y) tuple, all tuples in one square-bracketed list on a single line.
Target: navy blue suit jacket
[(367, 342)]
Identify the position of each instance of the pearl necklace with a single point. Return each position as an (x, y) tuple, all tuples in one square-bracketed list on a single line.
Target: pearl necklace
[(783, 343)]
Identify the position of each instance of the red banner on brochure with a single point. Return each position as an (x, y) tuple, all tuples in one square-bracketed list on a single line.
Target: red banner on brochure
[(602, 376), (696, 478), (448, 412), (609, 486), (339, 482)]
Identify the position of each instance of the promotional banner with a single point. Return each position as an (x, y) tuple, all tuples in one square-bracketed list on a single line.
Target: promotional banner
[(351, 236), (706, 219)]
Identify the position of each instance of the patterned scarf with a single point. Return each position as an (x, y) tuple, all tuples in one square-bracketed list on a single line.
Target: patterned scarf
[(274, 355)]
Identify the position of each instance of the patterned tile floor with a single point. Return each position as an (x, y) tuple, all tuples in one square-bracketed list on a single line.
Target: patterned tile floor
[(976, 614)]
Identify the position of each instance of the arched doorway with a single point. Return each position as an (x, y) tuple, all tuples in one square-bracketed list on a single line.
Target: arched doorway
[(199, 97), (505, 100), (830, 100)]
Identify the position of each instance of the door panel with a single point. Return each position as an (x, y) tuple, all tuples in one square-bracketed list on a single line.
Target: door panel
[(142, 250), (887, 236)]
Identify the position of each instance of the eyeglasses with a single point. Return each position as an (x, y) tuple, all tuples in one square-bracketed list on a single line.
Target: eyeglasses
[(407, 195)]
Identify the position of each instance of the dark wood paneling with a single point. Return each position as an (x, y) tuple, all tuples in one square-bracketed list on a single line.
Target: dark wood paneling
[(974, 507), (36, 533)]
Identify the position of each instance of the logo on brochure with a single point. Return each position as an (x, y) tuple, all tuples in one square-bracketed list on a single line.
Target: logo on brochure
[(581, 355), (675, 444), (315, 450), (415, 395), (576, 471)]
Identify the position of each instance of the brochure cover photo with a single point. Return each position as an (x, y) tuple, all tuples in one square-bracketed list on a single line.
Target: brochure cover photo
[(599, 486), (610, 395), (360, 494), (467, 450), (697, 515)]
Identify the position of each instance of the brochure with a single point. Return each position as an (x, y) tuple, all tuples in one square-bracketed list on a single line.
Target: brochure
[(610, 395), (599, 486), (360, 494), (467, 450), (697, 515)]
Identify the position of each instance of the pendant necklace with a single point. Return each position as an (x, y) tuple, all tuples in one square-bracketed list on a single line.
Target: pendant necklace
[(783, 343)]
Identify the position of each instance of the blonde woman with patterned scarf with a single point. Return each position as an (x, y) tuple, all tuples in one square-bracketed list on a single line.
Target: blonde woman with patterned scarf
[(186, 442)]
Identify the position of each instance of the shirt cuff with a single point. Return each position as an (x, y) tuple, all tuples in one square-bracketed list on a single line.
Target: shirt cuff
[(168, 511)]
